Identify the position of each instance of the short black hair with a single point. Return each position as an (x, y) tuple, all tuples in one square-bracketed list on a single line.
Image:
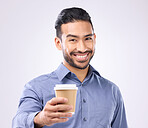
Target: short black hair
[(71, 15)]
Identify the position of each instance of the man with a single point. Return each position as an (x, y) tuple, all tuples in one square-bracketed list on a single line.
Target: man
[(99, 102)]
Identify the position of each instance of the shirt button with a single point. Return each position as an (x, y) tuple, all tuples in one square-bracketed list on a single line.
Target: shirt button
[(84, 100), (84, 119)]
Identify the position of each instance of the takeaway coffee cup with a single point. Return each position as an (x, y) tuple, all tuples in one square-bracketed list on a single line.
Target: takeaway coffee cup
[(68, 91)]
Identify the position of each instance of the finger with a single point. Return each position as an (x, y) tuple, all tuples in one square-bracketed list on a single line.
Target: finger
[(59, 120), (60, 107), (58, 100), (60, 114)]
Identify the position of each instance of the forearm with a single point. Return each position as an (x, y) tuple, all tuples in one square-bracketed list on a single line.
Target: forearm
[(24, 120), (30, 104)]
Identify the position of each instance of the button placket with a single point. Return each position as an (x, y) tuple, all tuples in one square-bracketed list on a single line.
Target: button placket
[(84, 119), (84, 107), (84, 101)]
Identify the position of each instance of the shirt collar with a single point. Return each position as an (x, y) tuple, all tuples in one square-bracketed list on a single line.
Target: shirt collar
[(92, 70), (62, 71)]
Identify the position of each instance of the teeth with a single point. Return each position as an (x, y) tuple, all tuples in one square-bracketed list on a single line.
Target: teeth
[(81, 56)]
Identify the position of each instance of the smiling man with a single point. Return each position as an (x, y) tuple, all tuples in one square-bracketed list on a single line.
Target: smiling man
[(99, 102), (78, 46)]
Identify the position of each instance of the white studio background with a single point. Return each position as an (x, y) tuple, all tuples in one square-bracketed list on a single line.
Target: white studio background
[(27, 49)]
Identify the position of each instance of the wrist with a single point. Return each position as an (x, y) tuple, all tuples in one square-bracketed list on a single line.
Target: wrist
[(37, 121)]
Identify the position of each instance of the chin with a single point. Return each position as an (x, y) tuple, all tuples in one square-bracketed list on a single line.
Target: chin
[(80, 67)]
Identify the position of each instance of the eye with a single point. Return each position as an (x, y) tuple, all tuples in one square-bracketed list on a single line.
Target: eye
[(72, 40), (88, 38)]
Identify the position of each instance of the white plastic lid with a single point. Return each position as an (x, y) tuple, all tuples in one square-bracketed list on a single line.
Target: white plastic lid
[(65, 87)]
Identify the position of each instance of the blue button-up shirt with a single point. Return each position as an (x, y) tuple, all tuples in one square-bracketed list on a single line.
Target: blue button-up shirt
[(99, 102)]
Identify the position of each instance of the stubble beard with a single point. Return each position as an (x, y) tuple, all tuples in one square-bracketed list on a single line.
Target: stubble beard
[(71, 62)]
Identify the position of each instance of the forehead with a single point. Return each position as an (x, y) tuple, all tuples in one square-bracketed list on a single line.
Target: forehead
[(79, 28)]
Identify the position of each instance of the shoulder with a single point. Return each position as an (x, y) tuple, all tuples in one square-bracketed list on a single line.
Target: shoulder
[(44, 77), (109, 86), (112, 88), (42, 81), (103, 82), (107, 83)]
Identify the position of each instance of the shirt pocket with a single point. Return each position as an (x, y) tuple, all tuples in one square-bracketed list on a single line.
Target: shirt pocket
[(103, 118)]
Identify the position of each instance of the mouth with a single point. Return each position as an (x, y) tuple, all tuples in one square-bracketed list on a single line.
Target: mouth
[(81, 57)]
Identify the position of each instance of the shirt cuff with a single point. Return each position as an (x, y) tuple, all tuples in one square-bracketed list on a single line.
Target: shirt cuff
[(30, 119)]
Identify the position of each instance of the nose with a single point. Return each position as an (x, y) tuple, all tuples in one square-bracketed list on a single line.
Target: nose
[(81, 46)]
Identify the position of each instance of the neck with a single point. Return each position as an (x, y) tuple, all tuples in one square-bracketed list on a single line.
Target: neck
[(80, 73)]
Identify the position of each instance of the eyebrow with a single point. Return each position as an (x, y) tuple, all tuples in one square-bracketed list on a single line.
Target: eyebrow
[(89, 35), (70, 35)]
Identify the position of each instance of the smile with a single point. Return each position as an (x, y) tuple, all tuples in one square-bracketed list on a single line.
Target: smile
[(82, 56)]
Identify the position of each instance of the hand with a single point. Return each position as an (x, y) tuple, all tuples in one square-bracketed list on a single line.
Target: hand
[(52, 112)]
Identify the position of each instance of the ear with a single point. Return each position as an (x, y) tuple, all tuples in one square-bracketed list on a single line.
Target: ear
[(58, 43), (95, 38)]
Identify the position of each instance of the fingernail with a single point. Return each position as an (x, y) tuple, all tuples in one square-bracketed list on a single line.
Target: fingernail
[(66, 100)]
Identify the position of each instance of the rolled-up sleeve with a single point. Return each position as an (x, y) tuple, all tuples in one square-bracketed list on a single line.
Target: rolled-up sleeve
[(29, 106)]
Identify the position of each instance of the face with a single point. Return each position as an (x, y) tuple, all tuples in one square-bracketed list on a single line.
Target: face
[(77, 43)]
